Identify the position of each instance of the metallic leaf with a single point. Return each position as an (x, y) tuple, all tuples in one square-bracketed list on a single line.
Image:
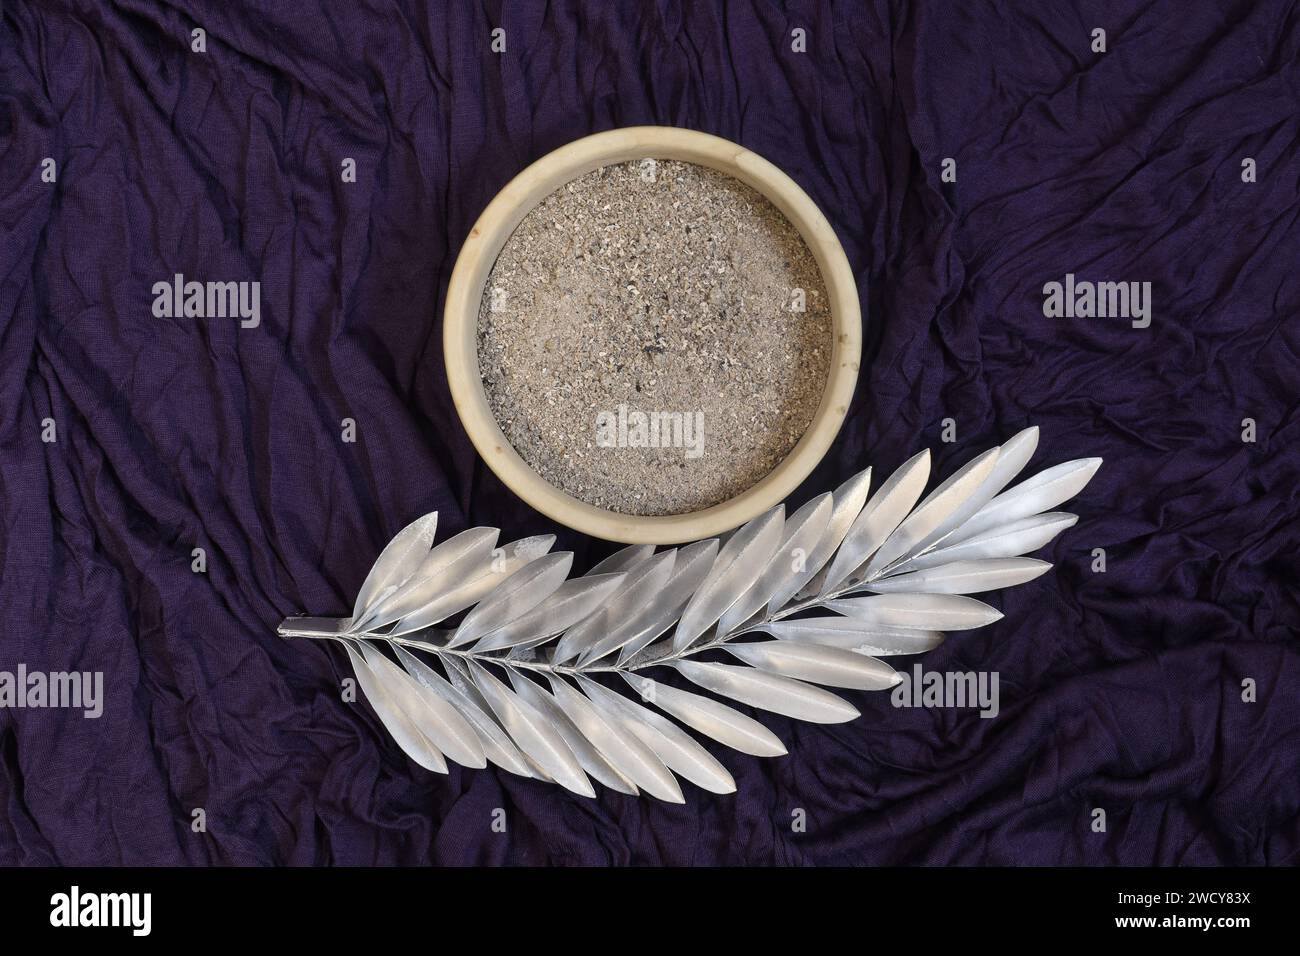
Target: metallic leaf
[(532, 732), (829, 666), (439, 572), (802, 531), (919, 527), (514, 597), (964, 577), (1007, 541), (474, 586), (571, 602), (670, 743), (642, 609), (768, 692), (391, 715), (692, 564), (496, 743), (849, 498), (738, 564), (931, 612), (589, 757), (850, 634), (1045, 490), (1013, 455), (632, 758), (624, 560), (616, 619), (711, 718), (459, 677), (440, 723), (396, 563), (881, 515)]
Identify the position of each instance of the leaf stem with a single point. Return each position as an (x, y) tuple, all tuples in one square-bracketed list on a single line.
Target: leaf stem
[(337, 629)]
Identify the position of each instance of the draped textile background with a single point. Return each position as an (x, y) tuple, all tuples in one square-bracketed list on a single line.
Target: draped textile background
[(1119, 690)]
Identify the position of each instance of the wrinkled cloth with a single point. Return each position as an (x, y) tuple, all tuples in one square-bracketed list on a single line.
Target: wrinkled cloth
[(1120, 690)]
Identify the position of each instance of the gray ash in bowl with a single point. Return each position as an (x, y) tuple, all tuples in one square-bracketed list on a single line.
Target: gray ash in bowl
[(641, 338)]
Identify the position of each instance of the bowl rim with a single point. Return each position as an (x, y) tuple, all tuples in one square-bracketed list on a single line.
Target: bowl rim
[(498, 222)]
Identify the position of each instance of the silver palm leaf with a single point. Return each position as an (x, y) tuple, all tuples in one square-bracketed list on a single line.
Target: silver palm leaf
[(792, 604)]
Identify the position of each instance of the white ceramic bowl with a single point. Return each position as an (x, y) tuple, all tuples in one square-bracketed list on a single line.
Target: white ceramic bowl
[(498, 222)]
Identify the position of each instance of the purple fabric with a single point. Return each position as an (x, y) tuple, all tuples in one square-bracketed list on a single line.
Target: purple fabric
[(1120, 691)]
